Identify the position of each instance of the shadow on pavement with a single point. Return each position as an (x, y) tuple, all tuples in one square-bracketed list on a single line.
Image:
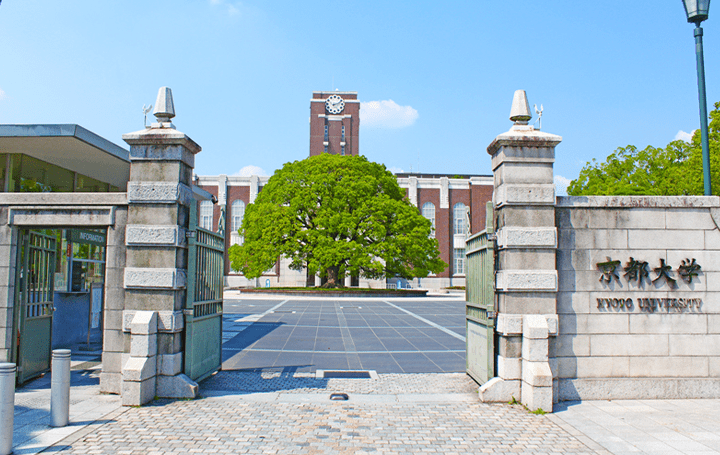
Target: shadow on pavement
[(251, 335), (239, 382)]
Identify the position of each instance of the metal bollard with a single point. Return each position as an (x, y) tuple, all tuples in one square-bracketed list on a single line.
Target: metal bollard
[(7, 406), (60, 388)]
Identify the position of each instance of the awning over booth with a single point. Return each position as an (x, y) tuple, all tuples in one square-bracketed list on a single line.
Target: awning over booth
[(71, 147)]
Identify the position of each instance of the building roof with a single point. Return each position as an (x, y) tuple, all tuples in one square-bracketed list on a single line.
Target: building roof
[(71, 147), (437, 176)]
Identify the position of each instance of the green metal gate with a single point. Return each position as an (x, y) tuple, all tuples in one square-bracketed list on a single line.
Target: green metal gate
[(480, 311), (204, 302), (34, 289)]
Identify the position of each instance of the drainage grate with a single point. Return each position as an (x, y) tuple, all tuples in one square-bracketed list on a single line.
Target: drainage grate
[(328, 374)]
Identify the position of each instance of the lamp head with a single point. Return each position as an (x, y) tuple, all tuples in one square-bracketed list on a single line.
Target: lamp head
[(696, 10)]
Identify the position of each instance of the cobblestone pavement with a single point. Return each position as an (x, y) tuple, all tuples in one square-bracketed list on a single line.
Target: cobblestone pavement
[(437, 413), (251, 382)]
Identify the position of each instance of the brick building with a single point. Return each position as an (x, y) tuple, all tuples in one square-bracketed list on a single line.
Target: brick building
[(334, 123), (454, 203)]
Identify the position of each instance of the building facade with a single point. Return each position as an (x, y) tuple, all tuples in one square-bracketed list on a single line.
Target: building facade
[(454, 203)]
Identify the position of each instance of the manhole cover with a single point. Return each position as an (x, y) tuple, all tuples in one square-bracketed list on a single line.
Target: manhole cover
[(351, 374)]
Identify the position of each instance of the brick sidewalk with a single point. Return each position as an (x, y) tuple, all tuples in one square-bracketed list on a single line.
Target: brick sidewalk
[(294, 416)]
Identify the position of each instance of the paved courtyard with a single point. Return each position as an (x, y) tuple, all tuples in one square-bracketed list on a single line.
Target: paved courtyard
[(291, 413), (385, 335), (282, 406)]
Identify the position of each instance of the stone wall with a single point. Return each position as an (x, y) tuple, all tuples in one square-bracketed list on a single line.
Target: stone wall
[(598, 297), (624, 333)]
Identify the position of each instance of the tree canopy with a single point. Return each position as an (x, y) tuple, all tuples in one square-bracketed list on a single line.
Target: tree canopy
[(336, 215), (673, 170)]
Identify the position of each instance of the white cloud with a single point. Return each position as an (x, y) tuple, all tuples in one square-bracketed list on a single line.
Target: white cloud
[(386, 114), (561, 185), (249, 170), (395, 170), (682, 135), (233, 8)]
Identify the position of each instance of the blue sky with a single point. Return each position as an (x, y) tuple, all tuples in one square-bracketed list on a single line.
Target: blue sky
[(442, 74)]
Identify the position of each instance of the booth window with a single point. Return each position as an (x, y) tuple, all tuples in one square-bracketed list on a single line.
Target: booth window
[(81, 259), (20, 173)]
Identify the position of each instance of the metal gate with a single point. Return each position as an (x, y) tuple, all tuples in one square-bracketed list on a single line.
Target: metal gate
[(480, 311), (34, 289), (204, 302)]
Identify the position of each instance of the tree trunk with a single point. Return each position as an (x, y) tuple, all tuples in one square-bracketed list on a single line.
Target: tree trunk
[(333, 281)]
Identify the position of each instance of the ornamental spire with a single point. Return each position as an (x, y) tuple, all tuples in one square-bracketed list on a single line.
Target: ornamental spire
[(164, 108), (520, 111)]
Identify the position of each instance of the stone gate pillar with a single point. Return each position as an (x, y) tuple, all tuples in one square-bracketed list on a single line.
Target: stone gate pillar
[(526, 279), (159, 198)]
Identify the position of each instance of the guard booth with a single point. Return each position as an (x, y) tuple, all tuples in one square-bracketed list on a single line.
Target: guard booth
[(60, 185), (480, 309)]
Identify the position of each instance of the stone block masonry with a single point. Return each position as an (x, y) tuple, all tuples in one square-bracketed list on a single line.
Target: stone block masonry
[(632, 281), (155, 273), (638, 307)]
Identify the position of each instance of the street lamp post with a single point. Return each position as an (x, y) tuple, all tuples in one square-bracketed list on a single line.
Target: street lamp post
[(697, 11)]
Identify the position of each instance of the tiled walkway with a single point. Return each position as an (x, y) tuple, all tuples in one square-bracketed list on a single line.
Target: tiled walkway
[(388, 336), (647, 426)]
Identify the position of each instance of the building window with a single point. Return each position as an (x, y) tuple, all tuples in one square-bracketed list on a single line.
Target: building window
[(460, 219), (237, 212), (343, 133), (206, 215), (428, 211), (325, 149), (459, 261), (342, 150), (326, 133)]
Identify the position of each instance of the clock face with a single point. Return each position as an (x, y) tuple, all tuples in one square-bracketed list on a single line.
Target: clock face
[(334, 104)]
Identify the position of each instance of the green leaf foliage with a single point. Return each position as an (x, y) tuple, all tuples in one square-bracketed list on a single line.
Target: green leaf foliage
[(336, 215), (673, 170)]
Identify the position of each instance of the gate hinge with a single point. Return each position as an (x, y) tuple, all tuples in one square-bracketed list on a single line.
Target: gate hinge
[(492, 314), (190, 234), (492, 237)]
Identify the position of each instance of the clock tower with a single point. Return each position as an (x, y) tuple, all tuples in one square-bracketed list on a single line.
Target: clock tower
[(334, 123)]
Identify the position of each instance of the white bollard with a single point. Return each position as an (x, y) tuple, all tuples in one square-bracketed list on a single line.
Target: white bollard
[(7, 406), (60, 388)]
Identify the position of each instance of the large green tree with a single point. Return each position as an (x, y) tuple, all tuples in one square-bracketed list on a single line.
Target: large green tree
[(673, 170), (336, 215)]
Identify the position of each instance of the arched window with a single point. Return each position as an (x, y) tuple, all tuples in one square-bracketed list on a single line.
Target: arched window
[(237, 212), (428, 211), (206, 215), (460, 219)]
